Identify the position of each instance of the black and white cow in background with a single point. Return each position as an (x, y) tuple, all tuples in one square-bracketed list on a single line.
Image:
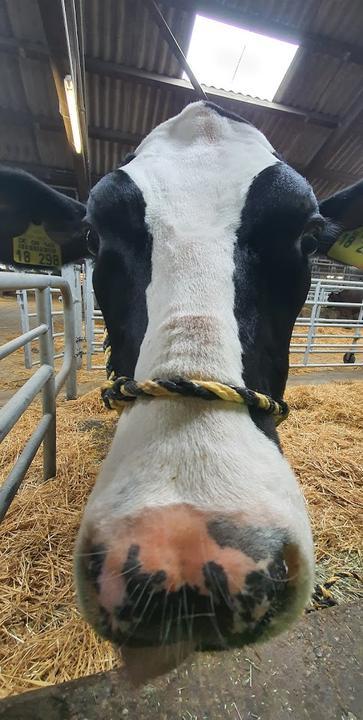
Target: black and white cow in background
[(196, 534)]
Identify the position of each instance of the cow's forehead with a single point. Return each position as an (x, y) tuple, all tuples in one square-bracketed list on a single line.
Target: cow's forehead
[(202, 121), (197, 159)]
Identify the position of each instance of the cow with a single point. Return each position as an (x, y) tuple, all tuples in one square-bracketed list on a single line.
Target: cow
[(348, 295), (196, 535)]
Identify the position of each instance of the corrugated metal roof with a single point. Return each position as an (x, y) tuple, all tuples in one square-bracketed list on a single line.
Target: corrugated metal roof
[(41, 96), (12, 93), (121, 104), (17, 146), (320, 83), (25, 21), (122, 32), (339, 19)]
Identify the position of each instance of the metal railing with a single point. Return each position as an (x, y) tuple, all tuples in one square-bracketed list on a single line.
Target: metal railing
[(307, 339), (72, 274), (93, 316), (42, 380), (327, 269), (306, 331)]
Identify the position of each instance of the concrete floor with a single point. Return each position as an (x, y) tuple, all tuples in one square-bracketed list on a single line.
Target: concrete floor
[(318, 378), (312, 672)]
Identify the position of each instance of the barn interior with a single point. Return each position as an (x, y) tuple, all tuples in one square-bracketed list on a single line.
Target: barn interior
[(124, 63)]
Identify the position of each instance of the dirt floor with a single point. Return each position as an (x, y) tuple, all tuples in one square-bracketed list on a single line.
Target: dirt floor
[(312, 672)]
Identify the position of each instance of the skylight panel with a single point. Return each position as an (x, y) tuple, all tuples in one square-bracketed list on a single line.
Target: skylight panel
[(238, 60)]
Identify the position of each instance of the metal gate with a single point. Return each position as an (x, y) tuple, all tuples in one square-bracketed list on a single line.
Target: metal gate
[(42, 380), (316, 338), (316, 335), (94, 324), (72, 274)]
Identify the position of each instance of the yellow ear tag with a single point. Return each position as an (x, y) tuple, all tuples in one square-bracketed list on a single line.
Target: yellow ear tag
[(35, 247), (348, 249)]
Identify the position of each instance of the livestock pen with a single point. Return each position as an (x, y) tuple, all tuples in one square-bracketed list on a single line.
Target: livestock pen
[(84, 85), (43, 638)]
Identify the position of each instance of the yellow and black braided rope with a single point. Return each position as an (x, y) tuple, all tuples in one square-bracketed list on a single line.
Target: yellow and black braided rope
[(117, 393)]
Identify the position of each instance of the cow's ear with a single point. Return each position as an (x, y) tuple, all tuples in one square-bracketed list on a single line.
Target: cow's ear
[(344, 240), (26, 201), (345, 207)]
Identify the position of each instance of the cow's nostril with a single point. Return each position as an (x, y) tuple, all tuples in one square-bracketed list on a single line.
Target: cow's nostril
[(208, 580), (217, 584), (93, 563), (141, 610)]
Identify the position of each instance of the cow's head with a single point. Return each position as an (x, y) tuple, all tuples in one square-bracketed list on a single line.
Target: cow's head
[(196, 529)]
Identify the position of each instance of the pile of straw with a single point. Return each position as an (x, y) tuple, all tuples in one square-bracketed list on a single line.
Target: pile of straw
[(43, 640)]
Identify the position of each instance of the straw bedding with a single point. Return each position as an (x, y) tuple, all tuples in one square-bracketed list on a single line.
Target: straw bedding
[(42, 637)]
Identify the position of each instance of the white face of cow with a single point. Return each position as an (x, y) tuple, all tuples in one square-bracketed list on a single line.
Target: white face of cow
[(197, 529), (196, 533)]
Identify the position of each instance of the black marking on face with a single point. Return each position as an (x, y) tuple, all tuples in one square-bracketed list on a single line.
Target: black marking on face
[(116, 209), (93, 564), (255, 542), (272, 278), (216, 582), (271, 584), (150, 615), (226, 113), (134, 575), (127, 159), (104, 623)]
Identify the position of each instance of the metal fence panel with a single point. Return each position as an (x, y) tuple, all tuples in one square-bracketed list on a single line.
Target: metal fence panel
[(312, 343), (308, 343), (42, 380), (93, 321), (72, 274)]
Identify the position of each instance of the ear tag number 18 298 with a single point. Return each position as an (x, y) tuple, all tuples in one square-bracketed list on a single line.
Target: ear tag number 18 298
[(35, 247)]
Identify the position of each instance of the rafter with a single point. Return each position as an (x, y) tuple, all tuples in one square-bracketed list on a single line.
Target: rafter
[(55, 33), (41, 122), (58, 177), (174, 46), (111, 69), (331, 176), (324, 153), (66, 178)]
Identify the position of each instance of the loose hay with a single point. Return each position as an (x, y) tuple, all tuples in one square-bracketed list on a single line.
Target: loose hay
[(43, 640)]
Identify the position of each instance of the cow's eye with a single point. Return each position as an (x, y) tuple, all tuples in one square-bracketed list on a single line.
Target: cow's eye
[(309, 244), (310, 237), (92, 241)]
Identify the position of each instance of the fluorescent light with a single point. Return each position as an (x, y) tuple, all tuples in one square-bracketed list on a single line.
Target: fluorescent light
[(73, 113), (238, 60)]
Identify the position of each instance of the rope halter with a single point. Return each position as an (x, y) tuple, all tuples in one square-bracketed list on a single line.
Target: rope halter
[(116, 394)]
